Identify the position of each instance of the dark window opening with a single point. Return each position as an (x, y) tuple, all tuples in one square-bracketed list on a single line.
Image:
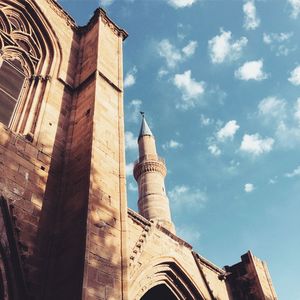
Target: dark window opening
[(12, 79), (159, 292)]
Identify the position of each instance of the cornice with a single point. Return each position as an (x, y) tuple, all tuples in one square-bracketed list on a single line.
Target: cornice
[(59, 10), (101, 13)]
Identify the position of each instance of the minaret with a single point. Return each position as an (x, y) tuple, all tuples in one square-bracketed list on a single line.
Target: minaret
[(149, 172)]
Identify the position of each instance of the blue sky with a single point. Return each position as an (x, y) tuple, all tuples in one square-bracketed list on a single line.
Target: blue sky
[(220, 84)]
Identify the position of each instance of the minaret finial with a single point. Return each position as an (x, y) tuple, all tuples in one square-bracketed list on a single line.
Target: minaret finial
[(145, 129)]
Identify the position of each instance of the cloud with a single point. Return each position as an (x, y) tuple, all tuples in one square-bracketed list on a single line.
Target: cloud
[(205, 121), (190, 48), (131, 186), (214, 150), (255, 145), (276, 37), (251, 70), (105, 2), (173, 55), (295, 172), (130, 77), (249, 187), (169, 52), (233, 166), (284, 120), (295, 8), (297, 110), (228, 131), (134, 107), (191, 89), (162, 72), (185, 197), (181, 3), (288, 136), (222, 47), (191, 235), (295, 76), (129, 169), (171, 145), (251, 21), (130, 141), (272, 106), (278, 42), (273, 180)]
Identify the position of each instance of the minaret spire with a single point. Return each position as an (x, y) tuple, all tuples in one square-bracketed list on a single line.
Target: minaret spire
[(149, 172), (145, 129)]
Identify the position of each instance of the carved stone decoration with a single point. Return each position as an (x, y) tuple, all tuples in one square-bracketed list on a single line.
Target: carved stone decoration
[(23, 38), (167, 272), (18, 39)]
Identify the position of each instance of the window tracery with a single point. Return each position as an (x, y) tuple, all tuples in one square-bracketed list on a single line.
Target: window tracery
[(25, 43)]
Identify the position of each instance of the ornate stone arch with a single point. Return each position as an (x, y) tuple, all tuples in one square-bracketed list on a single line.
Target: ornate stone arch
[(27, 36), (169, 272)]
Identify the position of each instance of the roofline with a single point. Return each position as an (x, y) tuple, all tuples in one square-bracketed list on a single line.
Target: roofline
[(98, 12)]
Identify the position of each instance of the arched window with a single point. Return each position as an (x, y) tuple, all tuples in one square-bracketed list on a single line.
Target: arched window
[(29, 53), (12, 78)]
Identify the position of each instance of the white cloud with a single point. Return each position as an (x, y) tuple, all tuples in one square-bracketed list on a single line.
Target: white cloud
[(106, 2), (295, 8), (273, 180), (134, 108), (173, 55), (251, 70), (297, 110), (162, 72), (130, 77), (129, 169), (191, 235), (272, 106), (233, 166), (278, 42), (181, 3), (205, 121), (190, 88), (276, 37), (288, 136), (130, 141), (184, 197), (222, 47), (228, 131), (172, 144), (190, 48), (295, 76), (131, 186), (295, 172), (251, 21), (256, 145), (249, 187), (214, 150), (169, 52)]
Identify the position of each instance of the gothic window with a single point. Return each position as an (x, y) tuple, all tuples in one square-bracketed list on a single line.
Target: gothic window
[(12, 79), (26, 62)]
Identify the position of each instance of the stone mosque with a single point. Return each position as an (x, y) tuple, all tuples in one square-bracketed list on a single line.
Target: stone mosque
[(66, 230)]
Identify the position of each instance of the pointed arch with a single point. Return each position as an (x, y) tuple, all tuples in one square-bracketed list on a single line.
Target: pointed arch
[(167, 272), (27, 36)]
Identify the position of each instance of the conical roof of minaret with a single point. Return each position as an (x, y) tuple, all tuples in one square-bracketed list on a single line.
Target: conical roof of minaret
[(145, 129)]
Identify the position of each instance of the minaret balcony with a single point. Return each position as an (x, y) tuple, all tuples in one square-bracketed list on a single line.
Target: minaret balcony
[(149, 163)]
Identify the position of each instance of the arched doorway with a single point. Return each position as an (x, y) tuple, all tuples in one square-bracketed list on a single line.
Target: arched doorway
[(164, 279), (159, 292)]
